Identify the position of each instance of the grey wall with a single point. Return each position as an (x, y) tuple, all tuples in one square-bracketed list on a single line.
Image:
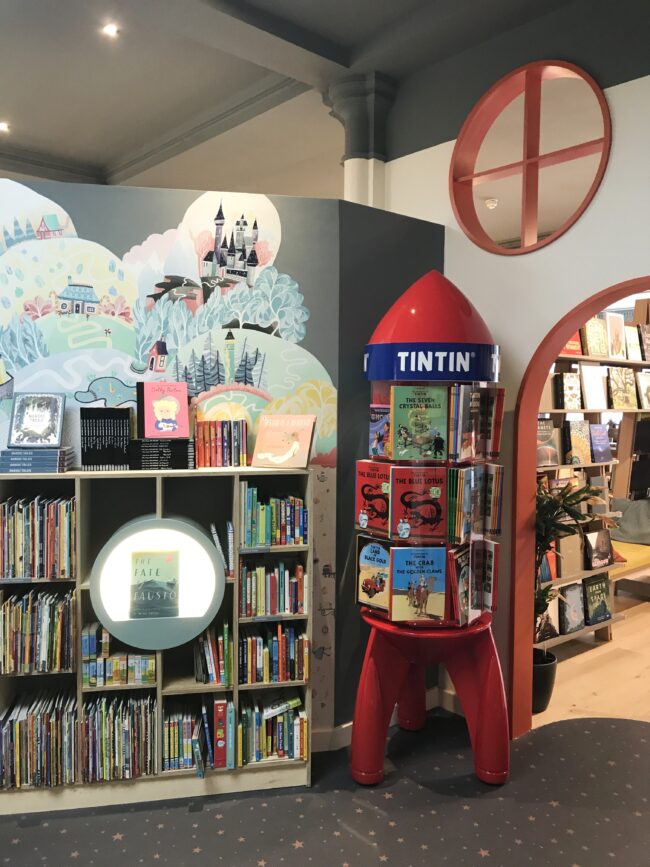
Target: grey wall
[(374, 273), (607, 39)]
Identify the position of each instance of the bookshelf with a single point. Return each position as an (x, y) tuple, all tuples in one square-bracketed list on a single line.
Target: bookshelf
[(104, 502)]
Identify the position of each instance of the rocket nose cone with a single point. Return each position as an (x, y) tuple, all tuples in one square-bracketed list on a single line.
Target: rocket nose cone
[(432, 310)]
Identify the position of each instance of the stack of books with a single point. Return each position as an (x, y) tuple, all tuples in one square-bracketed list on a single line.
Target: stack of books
[(273, 655), (268, 591), (213, 656), (37, 633), (221, 443), (38, 741), (38, 539), (40, 461), (101, 668), (119, 738), (105, 435), (272, 728), (161, 454)]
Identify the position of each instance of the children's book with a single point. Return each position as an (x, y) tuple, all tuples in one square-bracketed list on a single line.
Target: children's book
[(417, 583), (615, 323), (594, 338), (418, 422), (418, 502), (372, 496), (162, 410), (601, 452), (283, 440), (379, 430), (373, 572), (622, 388)]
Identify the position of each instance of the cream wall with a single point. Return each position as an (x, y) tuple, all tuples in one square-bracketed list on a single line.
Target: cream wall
[(522, 297)]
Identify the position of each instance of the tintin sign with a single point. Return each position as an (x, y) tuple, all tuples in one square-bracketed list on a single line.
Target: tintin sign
[(460, 362)]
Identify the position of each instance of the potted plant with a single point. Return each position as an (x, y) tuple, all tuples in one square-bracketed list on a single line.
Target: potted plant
[(557, 514)]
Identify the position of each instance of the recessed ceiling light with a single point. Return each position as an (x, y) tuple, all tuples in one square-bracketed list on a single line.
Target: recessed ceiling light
[(111, 30), (491, 203), (4, 126)]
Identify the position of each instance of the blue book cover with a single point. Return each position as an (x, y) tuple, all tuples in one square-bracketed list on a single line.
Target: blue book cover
[(249, 519), (417, 583), (601, 452), (275, 661), (208, 739), (230, 735)]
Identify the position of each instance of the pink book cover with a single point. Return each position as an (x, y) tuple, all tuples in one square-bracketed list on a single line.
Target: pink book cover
[(283, 440), (165, 410)]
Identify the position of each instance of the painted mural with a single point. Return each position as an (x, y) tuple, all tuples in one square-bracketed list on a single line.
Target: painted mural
[(201, 302)]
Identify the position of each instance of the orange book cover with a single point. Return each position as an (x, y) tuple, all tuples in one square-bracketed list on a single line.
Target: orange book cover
[(283, 440), (573, 345)]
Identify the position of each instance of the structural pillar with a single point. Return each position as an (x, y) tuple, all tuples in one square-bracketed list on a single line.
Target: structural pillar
[(362, 104)]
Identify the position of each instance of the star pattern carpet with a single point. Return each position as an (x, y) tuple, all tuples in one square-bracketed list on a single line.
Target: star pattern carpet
[(577, 797)]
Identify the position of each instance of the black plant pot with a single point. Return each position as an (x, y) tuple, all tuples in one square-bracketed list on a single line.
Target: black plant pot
[(544, 669)]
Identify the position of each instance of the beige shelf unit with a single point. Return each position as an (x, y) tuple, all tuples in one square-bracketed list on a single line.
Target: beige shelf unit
[(106, 501)]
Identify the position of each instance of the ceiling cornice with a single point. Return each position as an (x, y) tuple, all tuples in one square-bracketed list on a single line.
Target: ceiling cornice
[(267, 93), (43, 165)]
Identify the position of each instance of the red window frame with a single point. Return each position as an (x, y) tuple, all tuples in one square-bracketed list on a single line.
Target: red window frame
[(463, 177)]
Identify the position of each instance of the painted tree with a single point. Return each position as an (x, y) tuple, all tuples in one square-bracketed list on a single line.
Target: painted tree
[(244, 374), (30, 234)]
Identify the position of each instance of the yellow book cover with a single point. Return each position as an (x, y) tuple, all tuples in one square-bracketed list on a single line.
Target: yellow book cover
[(595, 340), (265, 665), (622, 388), (283, 440), (240, 745)]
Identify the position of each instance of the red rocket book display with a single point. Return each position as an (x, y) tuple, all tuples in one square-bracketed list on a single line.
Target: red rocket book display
[(425, 553)]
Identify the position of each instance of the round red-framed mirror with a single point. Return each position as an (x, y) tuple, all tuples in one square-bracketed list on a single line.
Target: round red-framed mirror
[(530, 157)]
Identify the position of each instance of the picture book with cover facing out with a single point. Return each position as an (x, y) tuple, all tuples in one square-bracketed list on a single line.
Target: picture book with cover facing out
[(577, 445), (372, 496), (615, 323), (548, 443), (594, 386), (594, 338), (548, 624), (596, 599), (154, 584), (379, 430), (598, 549), (573, 346), (572, 613), (418, 502), (569, 555), (633, 343), (643, 384), (373, 572), (162, 410), (644, 333), (418, 422), (567, 391), (601, 452), (283, 440), (622, 388), (417, 583)]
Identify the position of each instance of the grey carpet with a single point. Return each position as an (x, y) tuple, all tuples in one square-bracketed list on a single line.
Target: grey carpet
[(578, 797)]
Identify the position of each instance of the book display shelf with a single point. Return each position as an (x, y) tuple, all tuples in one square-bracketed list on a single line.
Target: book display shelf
[(102, 502), (603, 369)]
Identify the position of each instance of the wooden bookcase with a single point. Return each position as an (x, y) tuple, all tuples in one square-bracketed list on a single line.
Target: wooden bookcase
[(106, 501)]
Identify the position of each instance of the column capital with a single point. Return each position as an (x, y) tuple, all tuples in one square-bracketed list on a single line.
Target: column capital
[(361, 103)]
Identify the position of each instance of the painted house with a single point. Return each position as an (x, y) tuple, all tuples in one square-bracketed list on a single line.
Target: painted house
[(157, 360), (49, 227), (78, 298)]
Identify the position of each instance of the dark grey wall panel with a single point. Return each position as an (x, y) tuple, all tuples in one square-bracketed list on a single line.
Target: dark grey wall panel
[(373, 275), (607, 39)]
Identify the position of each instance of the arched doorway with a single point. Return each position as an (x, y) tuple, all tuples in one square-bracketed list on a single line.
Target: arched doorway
[(523, 495)]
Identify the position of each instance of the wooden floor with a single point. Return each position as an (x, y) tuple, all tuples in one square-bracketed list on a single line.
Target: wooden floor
[(605, 679)]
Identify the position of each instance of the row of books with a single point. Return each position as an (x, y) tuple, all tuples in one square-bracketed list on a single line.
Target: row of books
[(273, 655), (576, 553), (609, 336), (453, 584), (221, 443), (105, 434), (598, 387), (162, 454), (120, 669), (38, 538), (213, 655), (428, 502), (266, 592), (184, 740), (274, 521), (575, 442), (38, 741), (435, 422), (38, 633), (283, 735), (585, 603), (36, 460), (119, 738)]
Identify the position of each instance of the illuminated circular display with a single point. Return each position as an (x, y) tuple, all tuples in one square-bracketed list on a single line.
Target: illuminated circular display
[(157, 582)]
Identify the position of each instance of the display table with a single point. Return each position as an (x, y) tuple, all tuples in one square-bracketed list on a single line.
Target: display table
[(393, 673)]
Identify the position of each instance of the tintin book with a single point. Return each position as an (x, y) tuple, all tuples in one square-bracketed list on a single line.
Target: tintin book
[(418, 502), (418, 422), (373, 572), (372, 496), (417, 583), (379, 431)]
